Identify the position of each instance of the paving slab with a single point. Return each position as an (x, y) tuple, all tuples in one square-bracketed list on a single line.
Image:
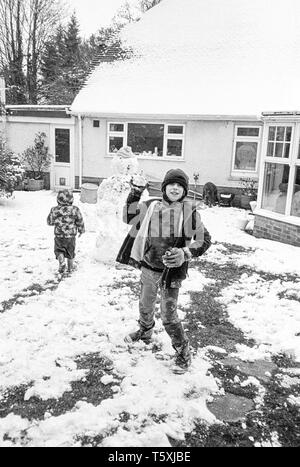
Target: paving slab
[(261, 369), (230, 408)]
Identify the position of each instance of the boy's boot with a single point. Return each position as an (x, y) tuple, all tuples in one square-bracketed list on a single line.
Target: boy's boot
[(183, 359), (140, 335), (181, 345), (62, 265), (70, 265)]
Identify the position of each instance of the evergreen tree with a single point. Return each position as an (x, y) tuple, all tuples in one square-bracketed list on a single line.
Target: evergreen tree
[(53, 56), (72, 43), (51, 90)]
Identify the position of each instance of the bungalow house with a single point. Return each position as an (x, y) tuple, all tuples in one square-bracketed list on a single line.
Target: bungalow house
[(208, 86)]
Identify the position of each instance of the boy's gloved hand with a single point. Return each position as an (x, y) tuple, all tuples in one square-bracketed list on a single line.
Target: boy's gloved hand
[(174, 258), (138, 184)]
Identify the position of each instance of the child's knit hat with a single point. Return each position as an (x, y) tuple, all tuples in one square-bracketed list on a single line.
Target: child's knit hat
[(176, 176), (65, 197)]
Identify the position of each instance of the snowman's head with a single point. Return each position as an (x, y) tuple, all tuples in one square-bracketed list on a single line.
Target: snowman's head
[(125, 152)]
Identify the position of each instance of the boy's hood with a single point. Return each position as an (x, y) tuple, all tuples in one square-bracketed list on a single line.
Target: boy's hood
[(65, 198)]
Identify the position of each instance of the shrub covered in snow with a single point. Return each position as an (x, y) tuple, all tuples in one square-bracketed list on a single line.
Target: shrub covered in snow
[(11, 171), (36, 158)]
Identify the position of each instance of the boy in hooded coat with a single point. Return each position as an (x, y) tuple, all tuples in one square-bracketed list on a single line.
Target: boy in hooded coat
[(165, 235), (67, 221)]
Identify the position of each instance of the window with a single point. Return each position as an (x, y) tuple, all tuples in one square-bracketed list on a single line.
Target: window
[(96, 123), (116, 138), (246, 145), (281, 172), (295, 208), (62, 145), (276, 178), (147, 139), (175, 140), (279, 141)]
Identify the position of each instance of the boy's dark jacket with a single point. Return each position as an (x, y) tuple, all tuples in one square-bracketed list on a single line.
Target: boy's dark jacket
[(133, 210)]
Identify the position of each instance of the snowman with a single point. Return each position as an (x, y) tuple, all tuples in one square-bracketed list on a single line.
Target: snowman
[(112, 195)]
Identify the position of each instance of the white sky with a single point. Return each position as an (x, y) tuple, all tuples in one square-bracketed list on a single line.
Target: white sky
[(93, 14)]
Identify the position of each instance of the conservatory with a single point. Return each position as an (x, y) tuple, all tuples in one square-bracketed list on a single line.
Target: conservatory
[(278, 208)]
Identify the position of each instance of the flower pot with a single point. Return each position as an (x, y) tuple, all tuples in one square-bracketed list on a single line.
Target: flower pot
[(35, 185), (245, 201)]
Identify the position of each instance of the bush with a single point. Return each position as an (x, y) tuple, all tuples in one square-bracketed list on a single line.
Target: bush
[(36, 158), (11, 171)]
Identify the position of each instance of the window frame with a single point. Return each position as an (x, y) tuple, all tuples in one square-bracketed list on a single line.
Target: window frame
[(246, 139), (167, 136), (55, 161), (292, 161)]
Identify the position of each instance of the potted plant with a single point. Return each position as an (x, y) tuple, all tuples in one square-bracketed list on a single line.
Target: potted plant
[(37, 160), (249, 192)]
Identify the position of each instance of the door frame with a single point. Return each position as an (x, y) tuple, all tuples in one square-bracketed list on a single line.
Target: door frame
[(64, 126)]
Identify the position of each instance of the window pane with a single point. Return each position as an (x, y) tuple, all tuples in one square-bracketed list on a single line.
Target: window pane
[(174, 147), (115, 143), (276, 179), (280, 133), (278, 149), (116, 127), (286, 150), (288, 135), (245, 156), (62, 145), (270, 151), (295, 211), (178, 130), (146, 139), (248, 132), (272, 131)]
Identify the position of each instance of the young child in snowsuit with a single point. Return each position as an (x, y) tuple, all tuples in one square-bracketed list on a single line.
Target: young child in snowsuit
[(166, 233), (67, 220)]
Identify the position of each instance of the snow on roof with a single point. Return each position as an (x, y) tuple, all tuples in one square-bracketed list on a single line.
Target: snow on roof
[(203, 57)]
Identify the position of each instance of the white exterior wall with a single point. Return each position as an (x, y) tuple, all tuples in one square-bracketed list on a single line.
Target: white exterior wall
[(208, 149), (94, 162), (21, 134)]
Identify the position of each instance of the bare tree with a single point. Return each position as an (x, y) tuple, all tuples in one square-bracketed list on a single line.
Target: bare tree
[(42, 16), (25, 28), (146, 5), (129, 12), (11, 47)]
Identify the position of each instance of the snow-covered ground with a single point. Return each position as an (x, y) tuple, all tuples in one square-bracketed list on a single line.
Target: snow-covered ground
[(92, 310)]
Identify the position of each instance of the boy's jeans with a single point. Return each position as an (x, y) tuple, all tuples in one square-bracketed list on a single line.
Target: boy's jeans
[(150, 283)]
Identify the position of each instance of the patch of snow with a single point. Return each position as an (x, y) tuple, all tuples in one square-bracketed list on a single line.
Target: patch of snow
[(254, 305), (294, 400), (107, 379), (91, 311)]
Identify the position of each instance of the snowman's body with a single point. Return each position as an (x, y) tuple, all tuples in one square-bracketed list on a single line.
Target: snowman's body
[(112, 195)]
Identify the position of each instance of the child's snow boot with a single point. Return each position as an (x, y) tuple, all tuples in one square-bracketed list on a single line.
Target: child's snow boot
[(70, 265), (62, 265), (139, 335), (183, 359)]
